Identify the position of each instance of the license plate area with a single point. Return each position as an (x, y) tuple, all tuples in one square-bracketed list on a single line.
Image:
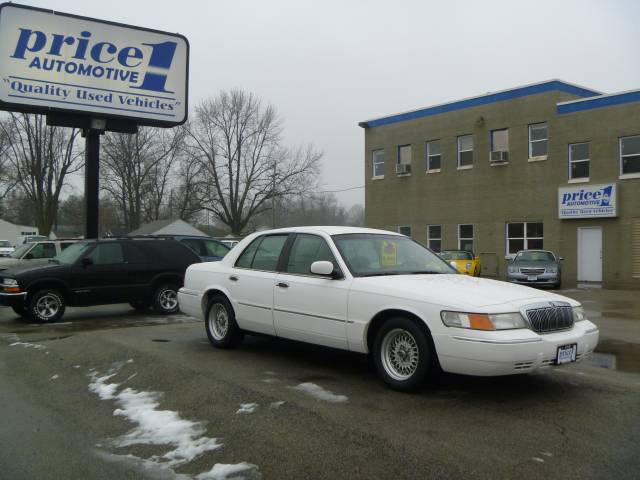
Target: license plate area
[(566, 353), (532, 279)]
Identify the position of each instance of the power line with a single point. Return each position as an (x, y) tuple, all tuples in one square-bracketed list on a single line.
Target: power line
[(342, 190)]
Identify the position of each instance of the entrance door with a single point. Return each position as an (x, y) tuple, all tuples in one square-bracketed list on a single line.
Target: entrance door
[(590, 254)]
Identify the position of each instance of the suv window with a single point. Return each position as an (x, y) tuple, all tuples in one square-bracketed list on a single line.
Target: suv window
[(306, 250), (43, 250), (263, 253), (137, 253), (107, 254), (195, 245), (215, 249)]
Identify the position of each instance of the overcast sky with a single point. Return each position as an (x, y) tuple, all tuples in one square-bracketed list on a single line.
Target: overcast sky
[(326, 65)]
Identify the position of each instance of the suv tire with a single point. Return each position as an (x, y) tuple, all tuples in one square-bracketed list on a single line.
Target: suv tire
[(220, 323), (165, 298), (403, 354), (46, 306)]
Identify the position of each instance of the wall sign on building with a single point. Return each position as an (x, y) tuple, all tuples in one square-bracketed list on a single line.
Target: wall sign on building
[(588, 201), (55, 62)]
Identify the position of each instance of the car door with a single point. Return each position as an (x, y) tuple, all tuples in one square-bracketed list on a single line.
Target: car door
[(308, 307), (251, 282), (105, 279)]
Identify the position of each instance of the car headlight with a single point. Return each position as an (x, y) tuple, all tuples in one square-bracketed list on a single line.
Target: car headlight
[(578, 314), (553, 270), (10, 282), (483, 321), (512, 269), (468, 266)]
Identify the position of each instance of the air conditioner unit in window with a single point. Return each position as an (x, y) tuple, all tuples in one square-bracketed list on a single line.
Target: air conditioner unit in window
[(403, 168), (500, 156)]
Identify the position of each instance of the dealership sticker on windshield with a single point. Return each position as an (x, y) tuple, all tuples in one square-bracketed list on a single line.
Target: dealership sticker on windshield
[(566, 353)]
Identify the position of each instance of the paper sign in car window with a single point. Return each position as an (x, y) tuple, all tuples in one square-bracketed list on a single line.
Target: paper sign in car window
[(389, 255)]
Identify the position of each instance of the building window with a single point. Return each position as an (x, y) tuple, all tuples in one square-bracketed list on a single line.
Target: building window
[(434, 237), (465, 237), (630, 155), (404, 155), (538, 140), (500, 145), (465, 151), (578, 160), (377, 159), (433, 156), (524, 236), (405, 230)]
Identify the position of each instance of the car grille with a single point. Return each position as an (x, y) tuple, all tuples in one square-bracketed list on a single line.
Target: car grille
[(532, 271), (551, 318)]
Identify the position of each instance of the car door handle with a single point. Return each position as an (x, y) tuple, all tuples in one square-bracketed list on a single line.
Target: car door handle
[(282, 285), (233, 278)]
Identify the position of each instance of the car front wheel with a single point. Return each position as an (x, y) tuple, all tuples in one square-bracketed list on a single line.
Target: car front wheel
[(220, 322), (165, 299), (46, 306), (403, 355)]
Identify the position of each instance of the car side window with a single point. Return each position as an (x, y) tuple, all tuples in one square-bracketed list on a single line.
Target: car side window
[(107, 254), (136, 253), (215, 249), (64, 245), (43, 250), (263, 253), (195, 245), (307, 249)]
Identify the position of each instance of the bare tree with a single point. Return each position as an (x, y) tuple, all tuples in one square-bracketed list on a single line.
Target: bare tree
[(7, 175), (137, 170), (237, 140), (41, 158)]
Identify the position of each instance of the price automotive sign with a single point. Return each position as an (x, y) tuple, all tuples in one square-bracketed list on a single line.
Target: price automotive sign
[(588, 201), (55, 62)]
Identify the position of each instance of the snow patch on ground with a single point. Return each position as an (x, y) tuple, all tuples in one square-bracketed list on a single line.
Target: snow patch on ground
[(319, 393), (538, 459), (76, 366), (54, 377), (153, 426), (276, 404), (247, 408), (222, 471), (35, 346), (270, 380)]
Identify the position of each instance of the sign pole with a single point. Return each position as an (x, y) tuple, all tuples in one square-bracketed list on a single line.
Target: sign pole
[(92, 181)]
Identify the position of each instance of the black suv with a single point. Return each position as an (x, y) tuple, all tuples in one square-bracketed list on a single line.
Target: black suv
[(144, 272)]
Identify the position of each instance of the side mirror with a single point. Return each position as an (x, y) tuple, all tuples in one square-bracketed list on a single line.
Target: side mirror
[(561, 259), (86, 262), (322, 267), (510, 257), (453, 264)]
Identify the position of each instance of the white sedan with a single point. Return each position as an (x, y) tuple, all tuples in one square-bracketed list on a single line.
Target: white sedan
[(374, 291)]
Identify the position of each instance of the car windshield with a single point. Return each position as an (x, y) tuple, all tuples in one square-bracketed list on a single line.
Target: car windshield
[(21, 250), (5, 243), (72, 253), (535, 256), (370, 254), (456, 255)]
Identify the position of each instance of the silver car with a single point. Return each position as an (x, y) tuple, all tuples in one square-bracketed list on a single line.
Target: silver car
[(535, 268)]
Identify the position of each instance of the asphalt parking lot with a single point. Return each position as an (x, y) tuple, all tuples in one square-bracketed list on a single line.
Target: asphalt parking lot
[(109, 393)]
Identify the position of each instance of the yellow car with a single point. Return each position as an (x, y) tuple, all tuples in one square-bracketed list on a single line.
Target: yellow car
[(463, 261)]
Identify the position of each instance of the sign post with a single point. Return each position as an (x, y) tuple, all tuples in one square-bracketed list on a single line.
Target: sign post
[(91, 74)]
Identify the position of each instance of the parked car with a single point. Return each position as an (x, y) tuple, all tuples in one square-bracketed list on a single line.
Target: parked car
[(22, 239), (35, 252), (5, 248), (208, 249), (378, 292), (143, 272), (463, 261), (536, 268)]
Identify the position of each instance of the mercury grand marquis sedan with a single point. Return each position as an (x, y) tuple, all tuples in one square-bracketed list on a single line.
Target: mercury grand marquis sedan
[(378, 292)]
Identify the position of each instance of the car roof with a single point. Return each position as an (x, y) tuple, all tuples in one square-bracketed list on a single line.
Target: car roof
[(330, 230)]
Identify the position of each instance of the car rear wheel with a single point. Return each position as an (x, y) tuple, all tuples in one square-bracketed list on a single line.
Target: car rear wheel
[(165, 299), (220, 323), (46, 306), (403, 354)]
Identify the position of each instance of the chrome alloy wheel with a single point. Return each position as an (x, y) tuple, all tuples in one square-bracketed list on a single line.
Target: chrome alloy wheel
[(48, 306), (400, 354), (168, 300), (218, 321)]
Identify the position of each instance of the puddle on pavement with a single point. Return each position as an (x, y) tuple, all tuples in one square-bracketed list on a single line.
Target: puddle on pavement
[(617, 355)]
